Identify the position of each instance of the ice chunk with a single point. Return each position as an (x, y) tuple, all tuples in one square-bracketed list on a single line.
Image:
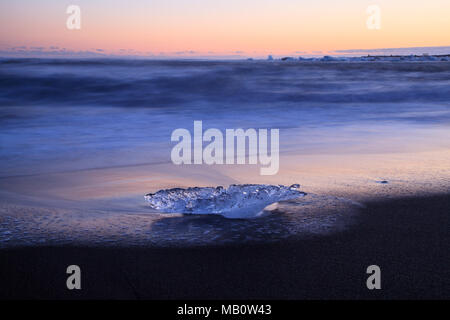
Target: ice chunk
[(237, 201)]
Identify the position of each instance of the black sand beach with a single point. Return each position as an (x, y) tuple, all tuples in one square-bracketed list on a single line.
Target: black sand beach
[(408, 238)]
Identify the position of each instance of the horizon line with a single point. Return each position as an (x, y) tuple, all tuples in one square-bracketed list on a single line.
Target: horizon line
[(57, 52)]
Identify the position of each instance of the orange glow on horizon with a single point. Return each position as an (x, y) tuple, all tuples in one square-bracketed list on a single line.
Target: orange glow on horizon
[(275, 27)]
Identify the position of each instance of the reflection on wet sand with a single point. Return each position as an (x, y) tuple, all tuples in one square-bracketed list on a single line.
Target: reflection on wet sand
[(21, 225)]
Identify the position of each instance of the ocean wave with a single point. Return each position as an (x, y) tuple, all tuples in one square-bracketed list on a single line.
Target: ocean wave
[(131, 83)]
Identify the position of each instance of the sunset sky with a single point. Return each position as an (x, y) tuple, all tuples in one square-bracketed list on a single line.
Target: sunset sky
[(222, 27)]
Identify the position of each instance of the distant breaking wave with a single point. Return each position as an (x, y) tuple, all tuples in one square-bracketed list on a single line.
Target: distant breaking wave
[(154, 84)]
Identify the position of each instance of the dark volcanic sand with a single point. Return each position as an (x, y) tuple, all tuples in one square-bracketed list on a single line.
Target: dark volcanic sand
[(408, 238)]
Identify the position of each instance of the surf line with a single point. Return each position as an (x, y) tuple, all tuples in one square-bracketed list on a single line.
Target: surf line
[(233, 153)]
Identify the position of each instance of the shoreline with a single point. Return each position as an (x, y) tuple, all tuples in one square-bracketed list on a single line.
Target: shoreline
[(408, 238)]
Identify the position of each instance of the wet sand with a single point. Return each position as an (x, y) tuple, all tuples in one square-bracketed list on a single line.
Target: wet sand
[(97, 219), (407, 237)]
